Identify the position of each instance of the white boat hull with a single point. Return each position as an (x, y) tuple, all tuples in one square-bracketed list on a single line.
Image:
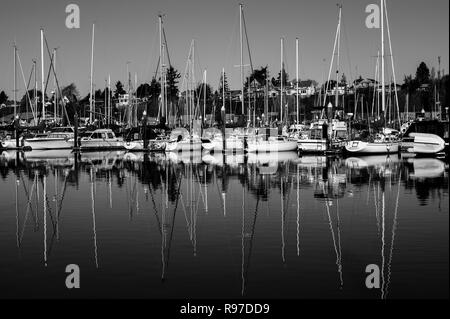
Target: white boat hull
[(101, 144), (312, 146), (426, 144), (232, 145), (48, 143), (272, 146), (11, 144), (359, 147)]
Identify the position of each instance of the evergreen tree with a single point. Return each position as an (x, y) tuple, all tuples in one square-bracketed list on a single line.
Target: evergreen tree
[(423, 74), (172, 78), (223, 82), (3, 97), (119, 89)]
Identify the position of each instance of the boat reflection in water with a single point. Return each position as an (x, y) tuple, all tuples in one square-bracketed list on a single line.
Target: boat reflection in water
[(213, 226)]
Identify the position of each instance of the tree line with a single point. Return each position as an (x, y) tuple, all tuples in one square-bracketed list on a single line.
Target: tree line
[(422, 89)]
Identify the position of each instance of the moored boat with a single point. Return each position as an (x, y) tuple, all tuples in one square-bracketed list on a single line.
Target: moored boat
[(134, 141), (100, 139), (381, 145), (426, 144), (271, 144), (57, 139), (182, 141), (232, 144), (9, 143)]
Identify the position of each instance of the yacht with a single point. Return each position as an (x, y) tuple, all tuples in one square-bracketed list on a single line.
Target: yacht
[(57, 139), (381, 144), (100, 139), (269, 142), (314, 141)]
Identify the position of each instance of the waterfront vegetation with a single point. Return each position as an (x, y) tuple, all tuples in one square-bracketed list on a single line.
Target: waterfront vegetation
[(418, 93)]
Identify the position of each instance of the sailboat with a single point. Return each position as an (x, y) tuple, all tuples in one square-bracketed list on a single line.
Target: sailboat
[(266, 142), (212, 139), (381, 144), (317, 139), (182, 140)]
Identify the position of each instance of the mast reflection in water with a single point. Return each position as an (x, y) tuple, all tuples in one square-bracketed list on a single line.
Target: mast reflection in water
[(205, 226)]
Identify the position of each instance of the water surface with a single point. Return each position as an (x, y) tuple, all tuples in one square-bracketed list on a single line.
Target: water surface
[(199, 226)]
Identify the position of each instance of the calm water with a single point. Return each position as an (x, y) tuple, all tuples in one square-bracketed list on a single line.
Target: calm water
[(190, 226)]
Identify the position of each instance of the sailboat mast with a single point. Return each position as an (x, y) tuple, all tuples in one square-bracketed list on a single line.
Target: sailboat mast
[(165, 83), (161, 68), (281, 81), (204, 100), (242, 56), (194, 106), (35, 90), (127, 114), (109, 100), (223, 91), (383, 91), (135, 100), (91, 105), (15, 81), (392, 62), (105, 102), (297, 101), (42, 74), (338, 59), (55, 102)]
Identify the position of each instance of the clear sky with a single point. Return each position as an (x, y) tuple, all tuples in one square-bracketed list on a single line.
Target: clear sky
[(128, 31)]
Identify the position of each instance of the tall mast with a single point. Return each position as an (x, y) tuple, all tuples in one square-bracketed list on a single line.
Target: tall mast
[(15, 81), (383, 91), (91, 100), (331, 64), (130, 100), (42, 74), (204, 100), (165, 83), (193, 111), (439, 88), (35, 89), (223, 95), (109, 100), (242, 56), (281, 81), (392, 62), (135, 99), (55, 102), (161, 67), (297, 101), (336, 103), (105, 102)]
